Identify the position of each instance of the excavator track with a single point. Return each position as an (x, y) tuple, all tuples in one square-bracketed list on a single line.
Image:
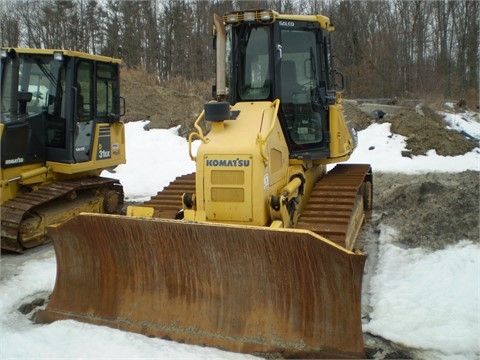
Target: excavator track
[(16, 210)]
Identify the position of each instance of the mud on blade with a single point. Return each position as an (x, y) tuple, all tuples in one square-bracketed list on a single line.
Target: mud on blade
[(243, 289)]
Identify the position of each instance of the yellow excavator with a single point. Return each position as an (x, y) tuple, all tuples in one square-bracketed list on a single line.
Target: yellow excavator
[(256, 251), (59, 128)]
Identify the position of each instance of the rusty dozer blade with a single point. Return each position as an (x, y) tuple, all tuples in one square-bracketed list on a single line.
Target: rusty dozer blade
[(243, 289)]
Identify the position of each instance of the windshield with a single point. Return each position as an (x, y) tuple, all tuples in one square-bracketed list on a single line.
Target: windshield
[(38, 83)]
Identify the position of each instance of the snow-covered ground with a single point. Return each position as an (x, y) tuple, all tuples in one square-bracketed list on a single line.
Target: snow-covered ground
[(425, 300)]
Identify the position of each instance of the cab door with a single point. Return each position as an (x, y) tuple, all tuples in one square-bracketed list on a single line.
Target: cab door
[(96, 102)]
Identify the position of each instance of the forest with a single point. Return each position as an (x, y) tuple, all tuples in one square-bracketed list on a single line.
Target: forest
[(386, 49)]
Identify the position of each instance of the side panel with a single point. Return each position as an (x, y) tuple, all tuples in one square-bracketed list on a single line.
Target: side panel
[(228, 196), (108, 151), (342, 141), (242, 163)]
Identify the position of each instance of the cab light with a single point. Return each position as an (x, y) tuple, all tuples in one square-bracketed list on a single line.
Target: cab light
[(249, 16), (265, 16), (232, 19), (58, 55)]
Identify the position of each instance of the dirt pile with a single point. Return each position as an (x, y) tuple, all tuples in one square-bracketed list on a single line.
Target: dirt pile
[(428, 131), (424, 129), (162, 107), (431, 210), (359, 119), (165, 108)]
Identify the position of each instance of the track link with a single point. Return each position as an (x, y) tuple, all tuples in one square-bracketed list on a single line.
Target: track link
[(168, 202), (14, 211), (338, 203)]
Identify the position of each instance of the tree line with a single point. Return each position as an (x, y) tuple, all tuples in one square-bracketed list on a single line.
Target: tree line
[(385, 48)]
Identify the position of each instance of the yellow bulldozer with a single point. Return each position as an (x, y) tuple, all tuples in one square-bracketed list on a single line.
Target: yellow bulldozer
[(256, 251), (60, 128)]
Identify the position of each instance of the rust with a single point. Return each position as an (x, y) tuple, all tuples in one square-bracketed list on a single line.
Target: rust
[(244, 289)]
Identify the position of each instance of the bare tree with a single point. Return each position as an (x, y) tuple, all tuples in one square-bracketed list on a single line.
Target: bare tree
[(385, 48), (112, 44), (9, 28)]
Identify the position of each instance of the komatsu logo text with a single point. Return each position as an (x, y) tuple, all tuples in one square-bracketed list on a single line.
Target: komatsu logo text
[(236, 162), (18, 160)]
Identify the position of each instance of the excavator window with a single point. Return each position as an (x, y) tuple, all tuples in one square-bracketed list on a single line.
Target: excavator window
[(107, 91), (56, 111), (83, 140), (33, 85), (30, 85), (289, 83), (83, 91)]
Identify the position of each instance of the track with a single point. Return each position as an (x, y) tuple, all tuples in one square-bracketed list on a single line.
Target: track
[(332, 210), (168, 202), (338, 203), (16, 210)]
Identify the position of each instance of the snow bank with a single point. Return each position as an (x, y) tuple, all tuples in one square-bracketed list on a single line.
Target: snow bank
[(378, 146), (154, 159), (427, 300)]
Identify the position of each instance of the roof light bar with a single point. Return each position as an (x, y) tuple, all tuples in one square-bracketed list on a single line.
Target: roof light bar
[(249, 16)]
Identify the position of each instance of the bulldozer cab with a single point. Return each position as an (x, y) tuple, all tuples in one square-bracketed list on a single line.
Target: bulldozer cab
[(287, 58), (51, 102)]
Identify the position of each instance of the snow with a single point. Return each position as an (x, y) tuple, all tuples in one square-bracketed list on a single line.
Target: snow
[(381, 148), (422, 299), (155, 157), (427, 300), (468, 124)]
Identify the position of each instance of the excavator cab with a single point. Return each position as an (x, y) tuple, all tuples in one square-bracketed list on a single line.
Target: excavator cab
[(59, 122), (52, 102)]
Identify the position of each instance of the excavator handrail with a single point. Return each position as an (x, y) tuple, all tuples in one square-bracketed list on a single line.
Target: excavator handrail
[(198, 134), (263, 141)]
